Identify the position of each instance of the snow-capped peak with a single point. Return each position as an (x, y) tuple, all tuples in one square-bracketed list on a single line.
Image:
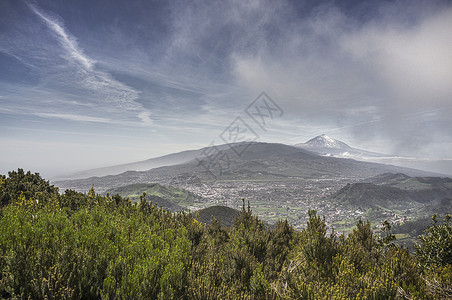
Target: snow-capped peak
[(324, 141), (327, 146)]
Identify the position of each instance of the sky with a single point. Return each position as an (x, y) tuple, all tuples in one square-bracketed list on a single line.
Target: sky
[(87, 84)]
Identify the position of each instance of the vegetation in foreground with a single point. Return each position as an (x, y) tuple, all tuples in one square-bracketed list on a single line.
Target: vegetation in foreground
[(89, 246)]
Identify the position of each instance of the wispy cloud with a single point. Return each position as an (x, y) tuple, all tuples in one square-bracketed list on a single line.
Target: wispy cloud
[(145, 117), (72, 117), (100, 88), (66, 40)]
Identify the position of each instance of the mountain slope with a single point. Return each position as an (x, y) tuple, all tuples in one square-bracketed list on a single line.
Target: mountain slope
[(169, 197), (152, 163), (166, 160), (367, 195), (224, 214), (245, 162), (324, 141), (325, 145), (411, 183), (389, 191), (387, 179)]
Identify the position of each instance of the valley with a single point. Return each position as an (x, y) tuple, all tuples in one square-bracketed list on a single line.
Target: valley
[(282, 182), (272, 200)]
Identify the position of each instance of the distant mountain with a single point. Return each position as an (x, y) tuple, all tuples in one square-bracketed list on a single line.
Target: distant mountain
[(166, 160), (325, 145), (224, 214), (324, 141), (152, 163), (245, 162), (322, 145), (161, 161)]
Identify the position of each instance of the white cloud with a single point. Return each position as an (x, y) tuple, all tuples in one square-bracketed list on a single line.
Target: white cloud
[(105, 92), (145, 117), (414, 62), (366, 77), (66, 40), (72, 117)]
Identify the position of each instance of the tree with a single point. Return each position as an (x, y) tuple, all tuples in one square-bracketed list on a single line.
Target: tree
[(27, 184), (436, 244), (434, 256)]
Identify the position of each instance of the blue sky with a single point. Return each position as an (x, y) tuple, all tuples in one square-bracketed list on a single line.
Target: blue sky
[(85, 84)]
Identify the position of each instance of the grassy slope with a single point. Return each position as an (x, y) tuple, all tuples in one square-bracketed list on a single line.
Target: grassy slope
[(224, 214), (176, 197)]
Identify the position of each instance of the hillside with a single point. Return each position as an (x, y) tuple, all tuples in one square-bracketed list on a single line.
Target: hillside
[(224, 214), (388, 190), (406, 182), (388, 179), (395, 197), (89, 246), (245, 162), (169, 197), (366, 195), (283, 181), (325, 145), (156, 162)]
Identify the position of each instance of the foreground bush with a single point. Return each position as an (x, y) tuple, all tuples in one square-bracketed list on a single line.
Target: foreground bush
[(87, 246)]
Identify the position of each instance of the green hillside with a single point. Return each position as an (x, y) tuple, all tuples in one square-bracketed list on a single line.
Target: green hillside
[(89, 246), (405, 182), (409, 202), (224, 214), (398, 193), (166, 196), (367, 195)]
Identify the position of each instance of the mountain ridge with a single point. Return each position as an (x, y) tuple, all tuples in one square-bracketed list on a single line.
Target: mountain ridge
[(246, 161), (321, 145), (396, 189), (326, 142), (325, 145)]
